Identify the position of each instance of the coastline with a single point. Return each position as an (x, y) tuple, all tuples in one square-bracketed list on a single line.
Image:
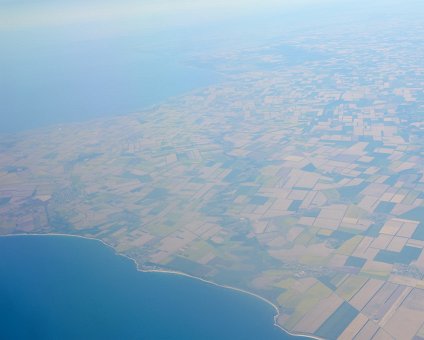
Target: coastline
[(173, 272)]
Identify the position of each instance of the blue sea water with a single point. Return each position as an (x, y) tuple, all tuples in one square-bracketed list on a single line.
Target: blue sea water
[(54, 287), (55, 79)]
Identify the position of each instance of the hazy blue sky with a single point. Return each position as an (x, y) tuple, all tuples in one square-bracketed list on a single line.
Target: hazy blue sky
[(24, 13), (18, 14)]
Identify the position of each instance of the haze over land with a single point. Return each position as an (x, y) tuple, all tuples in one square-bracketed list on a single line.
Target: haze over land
[(285, 158)]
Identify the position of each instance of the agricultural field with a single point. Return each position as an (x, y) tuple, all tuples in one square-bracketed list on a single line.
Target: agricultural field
[(300, 182)]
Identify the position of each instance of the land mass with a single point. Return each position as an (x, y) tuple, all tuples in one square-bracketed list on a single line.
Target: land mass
[(298, 178)]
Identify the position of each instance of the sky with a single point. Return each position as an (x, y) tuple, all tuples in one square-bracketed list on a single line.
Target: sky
[(21, 14)]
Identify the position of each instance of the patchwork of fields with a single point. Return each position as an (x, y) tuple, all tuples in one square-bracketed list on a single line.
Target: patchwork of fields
[(299, 181)]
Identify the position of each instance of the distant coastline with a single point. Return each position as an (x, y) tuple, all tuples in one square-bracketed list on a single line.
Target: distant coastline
[(172, 272), (127, 92)]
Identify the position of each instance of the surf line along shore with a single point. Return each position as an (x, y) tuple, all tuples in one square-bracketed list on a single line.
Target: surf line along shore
[(173, 272)]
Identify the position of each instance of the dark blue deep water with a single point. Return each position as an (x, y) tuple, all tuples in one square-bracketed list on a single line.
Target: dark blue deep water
[(54, 287)]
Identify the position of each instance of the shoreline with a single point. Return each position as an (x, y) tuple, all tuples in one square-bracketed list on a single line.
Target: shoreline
[(174, 272)]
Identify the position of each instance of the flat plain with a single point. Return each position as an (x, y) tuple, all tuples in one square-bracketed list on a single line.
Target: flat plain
[(299, 179)]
